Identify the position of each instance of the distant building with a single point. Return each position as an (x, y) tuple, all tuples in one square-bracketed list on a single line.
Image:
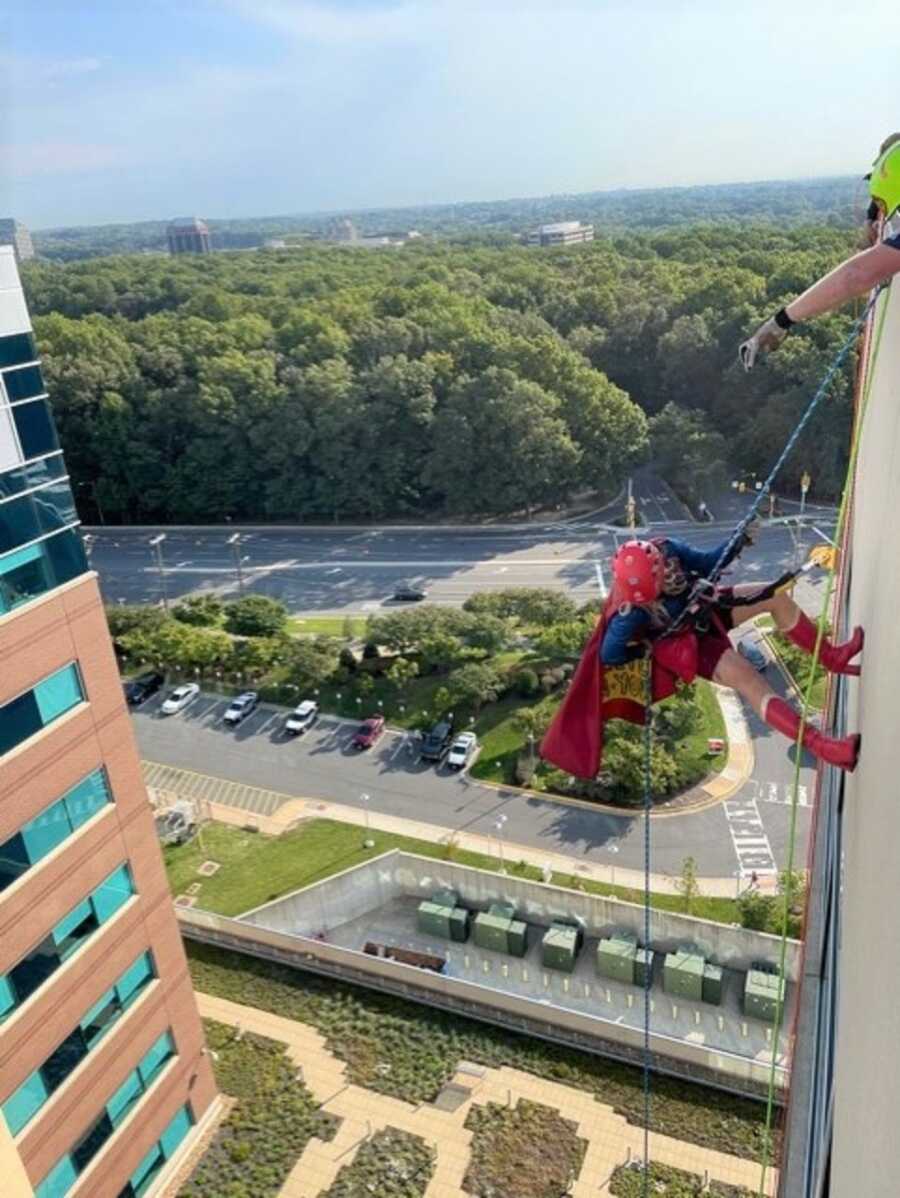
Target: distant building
[(14, 234), (188, 235), (563, 233), (344, 230)]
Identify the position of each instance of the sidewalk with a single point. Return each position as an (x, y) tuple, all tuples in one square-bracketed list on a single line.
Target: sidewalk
[(611, 1139), (292, 812)]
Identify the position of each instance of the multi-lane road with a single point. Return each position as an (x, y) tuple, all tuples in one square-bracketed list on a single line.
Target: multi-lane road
[(321, 570)]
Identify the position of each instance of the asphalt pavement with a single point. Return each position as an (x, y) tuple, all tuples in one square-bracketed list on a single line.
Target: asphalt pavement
[(748, 834)]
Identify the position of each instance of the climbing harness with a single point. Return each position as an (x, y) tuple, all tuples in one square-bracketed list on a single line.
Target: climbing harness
[(702, 596)]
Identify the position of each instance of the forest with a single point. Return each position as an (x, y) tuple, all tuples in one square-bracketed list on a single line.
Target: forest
[(438, 378)]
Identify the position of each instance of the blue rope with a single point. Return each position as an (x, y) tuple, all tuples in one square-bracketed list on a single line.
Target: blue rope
[(648, 797), (738, 534)]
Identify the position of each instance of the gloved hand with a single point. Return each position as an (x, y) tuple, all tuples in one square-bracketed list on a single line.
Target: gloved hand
[(767, 338)]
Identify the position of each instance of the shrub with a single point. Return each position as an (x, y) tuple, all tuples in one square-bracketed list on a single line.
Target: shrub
[(392, 1164), (133, 617), (255, 615), (347, 659), (370, 649), (200, 610), (526, 683)]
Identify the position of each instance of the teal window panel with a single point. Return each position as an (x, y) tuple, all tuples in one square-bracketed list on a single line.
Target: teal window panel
[(19, 557), (7, 998), (46, 831), (70, 923), (100, 1017), (176, 1132), (59, 1180), (113, 893), (59, 693), (86, 799), (155, 1058), (143, 1176), (125, 1098), (134, 979), (25, 1102)]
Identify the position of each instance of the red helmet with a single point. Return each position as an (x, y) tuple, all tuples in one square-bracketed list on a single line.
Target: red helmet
[(638, 568)]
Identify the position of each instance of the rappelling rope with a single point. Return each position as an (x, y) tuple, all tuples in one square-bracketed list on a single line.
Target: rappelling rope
[(648, 803), (826, 603)]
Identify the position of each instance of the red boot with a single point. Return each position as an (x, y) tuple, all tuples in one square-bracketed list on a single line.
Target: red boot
[(843, 752), (835, 658)]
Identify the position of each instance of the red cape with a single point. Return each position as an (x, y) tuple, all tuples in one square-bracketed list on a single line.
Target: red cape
[(597, 693)]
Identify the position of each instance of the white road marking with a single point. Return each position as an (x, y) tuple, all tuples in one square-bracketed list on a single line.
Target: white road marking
[(272, 718), (749, 839), (600, 582)]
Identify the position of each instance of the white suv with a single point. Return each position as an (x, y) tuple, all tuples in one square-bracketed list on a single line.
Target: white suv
[(461, 750), (302, 718), (240, 708)]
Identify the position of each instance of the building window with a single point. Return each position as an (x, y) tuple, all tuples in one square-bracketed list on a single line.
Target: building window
[(27, 714), (35, 474), (113, 1114), (163, 1150), (17, 349), (32, 516), (56, 823), (27, 573), (35, 429), (71, 933), (23, 384)]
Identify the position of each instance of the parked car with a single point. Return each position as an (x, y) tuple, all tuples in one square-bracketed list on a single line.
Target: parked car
[(240, 708), (180, 697), (409, 593), (752, 653), (139, 689), (461, 750), (369, 731), (302, 718), (438, 741)]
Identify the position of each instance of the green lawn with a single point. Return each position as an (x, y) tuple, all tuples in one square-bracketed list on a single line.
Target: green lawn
[(797, 663), (328, 625), (256, 868)]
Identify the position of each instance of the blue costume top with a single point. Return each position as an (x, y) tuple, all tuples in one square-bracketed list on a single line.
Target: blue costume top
[(621, 629)]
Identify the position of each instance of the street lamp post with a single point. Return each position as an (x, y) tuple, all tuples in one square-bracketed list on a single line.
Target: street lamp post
[(235, 542), (96, 498), (501, 820), (156, 543), (368, 843), (805, 481)]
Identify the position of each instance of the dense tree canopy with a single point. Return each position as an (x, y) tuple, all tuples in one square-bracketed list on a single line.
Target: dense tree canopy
[(321, 383)]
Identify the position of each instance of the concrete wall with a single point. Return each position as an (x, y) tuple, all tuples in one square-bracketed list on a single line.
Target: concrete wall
[(866, 1153), (351, 894), (676, 1056)]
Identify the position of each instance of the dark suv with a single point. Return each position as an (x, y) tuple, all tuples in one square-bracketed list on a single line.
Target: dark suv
[(437, 743), (141, 688)]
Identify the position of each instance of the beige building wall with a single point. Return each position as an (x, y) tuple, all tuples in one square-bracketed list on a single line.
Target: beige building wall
[(15, 1179), (866, 1148)]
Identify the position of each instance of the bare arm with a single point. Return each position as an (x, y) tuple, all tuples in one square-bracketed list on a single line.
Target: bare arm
[(854, 277)]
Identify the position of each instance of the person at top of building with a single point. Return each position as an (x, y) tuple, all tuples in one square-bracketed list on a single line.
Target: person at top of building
[(653, 582), (854, 277)]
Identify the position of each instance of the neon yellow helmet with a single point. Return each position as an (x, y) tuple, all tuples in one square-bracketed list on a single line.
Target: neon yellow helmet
[(884, 182)]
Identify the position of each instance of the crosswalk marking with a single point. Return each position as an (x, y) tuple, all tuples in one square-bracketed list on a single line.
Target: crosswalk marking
[(208, 789), (749, 839)]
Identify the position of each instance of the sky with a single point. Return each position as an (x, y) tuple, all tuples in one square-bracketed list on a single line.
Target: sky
[(119, 110)]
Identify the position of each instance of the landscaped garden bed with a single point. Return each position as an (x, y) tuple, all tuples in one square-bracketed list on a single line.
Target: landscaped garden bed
[(265, 1133), (409, 1051), (668, 1182), (392, 1164), (528, 1151)]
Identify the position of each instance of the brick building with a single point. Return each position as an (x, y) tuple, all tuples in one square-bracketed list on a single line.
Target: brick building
[(103, 1072)]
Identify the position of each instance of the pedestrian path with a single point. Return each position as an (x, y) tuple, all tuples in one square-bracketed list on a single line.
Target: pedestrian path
[(611, 1139)]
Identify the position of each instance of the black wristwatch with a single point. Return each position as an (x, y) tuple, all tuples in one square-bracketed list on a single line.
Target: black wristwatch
[(782, 319)]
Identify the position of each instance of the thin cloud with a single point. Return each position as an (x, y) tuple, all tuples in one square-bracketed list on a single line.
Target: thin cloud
[(301, 19), (56, 158)]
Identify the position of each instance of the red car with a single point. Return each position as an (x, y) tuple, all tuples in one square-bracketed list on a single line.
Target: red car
[(369, 732)]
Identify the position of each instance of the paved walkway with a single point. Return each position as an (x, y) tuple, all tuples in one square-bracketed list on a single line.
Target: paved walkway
[(611, 1140)]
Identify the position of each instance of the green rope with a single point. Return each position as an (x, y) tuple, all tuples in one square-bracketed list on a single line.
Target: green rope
[(789, 883)]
